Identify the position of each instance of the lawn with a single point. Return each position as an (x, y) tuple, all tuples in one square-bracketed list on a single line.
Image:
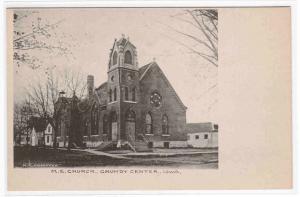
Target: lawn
[(46, 157)]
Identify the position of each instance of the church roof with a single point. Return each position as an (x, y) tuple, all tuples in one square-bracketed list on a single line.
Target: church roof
[(143, 69), (154, 65), (142, 72), (103, 85)]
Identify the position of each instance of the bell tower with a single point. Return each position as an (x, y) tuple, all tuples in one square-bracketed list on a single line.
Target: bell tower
[(123, 87)]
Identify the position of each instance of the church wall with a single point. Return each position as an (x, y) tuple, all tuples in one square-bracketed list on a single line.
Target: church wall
[(170, 106)]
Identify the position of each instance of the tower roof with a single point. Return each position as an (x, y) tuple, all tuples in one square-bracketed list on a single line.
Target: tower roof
[(123, 41)]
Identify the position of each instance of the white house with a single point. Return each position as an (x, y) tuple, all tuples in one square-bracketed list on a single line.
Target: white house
[(202, 135), (48, 133), (32, 137), (39, 133)]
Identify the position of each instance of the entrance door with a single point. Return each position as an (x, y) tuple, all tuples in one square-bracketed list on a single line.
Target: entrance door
[(114, 131), (130, 130), (130, 125), (114, 126)]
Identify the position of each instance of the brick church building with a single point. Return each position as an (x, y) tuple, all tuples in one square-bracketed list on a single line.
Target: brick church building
[(136, 107)]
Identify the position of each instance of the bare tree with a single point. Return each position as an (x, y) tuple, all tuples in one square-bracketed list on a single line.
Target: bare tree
[(74, 82), (205, 22), (22, 114), (44, 95), (33, 37)]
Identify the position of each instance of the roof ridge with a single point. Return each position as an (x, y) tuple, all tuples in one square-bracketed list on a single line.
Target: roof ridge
[(149, 65)]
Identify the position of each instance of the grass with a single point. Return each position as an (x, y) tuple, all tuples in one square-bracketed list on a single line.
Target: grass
[(46, 157)]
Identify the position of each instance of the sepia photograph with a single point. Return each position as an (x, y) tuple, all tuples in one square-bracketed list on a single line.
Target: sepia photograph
[(115, 87), (134, 98)]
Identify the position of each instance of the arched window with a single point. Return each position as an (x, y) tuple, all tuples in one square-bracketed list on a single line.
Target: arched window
[(149, 123), (126, 94), (128, 58), (165, 126), (133, 94), (115, 58), (130, 116), (95, 120), (115, 94), (110, 95), (105, 124)]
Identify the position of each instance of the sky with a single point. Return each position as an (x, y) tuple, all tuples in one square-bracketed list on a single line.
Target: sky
[(90, 34)]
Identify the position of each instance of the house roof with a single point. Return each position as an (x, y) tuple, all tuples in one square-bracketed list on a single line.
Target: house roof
[(199, 127), (39, 124)]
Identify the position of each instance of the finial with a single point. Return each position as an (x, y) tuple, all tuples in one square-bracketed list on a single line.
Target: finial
[(123, 35), (154, 59)]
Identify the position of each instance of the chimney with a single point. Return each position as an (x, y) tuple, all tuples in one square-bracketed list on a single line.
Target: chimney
[(90, 85)]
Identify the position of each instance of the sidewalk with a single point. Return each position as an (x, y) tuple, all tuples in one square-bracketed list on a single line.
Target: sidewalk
[(95, 152), (165, 154), (130, 155)]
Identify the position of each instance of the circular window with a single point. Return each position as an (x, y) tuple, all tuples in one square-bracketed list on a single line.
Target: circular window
[(155, 99)]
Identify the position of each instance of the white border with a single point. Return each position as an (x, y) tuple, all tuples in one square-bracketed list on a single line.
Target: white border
[(57, 3)]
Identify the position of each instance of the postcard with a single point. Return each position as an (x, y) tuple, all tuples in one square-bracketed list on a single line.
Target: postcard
[(161, 98)]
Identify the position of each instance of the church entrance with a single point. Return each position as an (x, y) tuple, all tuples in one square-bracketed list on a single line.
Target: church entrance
[(130, 125), (114, 126)]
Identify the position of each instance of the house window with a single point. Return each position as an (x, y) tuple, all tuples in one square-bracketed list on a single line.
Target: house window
[(216, 127), (48, 129), (205, 136), (128, 58), (105, 124), (86, 128), (48, 138), (95, 120), (115, 58), (133, 94), (59, 128), (149, 123), (115, 94), (196, 137), (165, 126), (126, 93)]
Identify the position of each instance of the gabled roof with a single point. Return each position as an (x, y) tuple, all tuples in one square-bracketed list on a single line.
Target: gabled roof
[(39, 124), (199, 127), (145, 70)]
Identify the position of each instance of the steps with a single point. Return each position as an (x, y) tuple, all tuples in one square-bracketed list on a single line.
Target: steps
[(106, 145), (137, 146), (141, 146)]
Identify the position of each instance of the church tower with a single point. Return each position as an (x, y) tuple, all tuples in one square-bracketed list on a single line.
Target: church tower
[(123, 90)]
